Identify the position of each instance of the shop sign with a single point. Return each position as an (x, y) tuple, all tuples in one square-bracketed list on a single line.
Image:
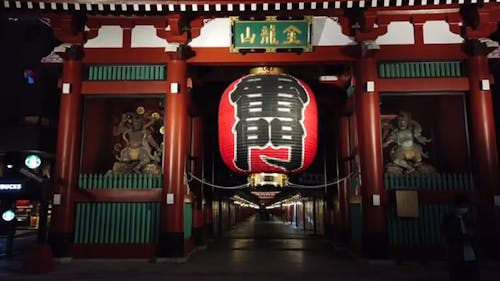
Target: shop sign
[(10, 187), (271, 35)]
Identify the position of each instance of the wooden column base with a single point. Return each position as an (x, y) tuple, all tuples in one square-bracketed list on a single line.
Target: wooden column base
[(171, 245), (60, 243), (39, 260)]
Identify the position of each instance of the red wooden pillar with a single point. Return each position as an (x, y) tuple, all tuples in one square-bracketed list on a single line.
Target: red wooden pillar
[(171, 242), (67, 153), (370, 153), (196, 154), (484, 152)]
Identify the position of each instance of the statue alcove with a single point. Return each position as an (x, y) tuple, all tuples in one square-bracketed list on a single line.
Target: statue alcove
[(103, 143), (442, 119)]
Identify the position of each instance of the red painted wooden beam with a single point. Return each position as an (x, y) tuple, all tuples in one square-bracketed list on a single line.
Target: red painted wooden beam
[(321, 55), (123, 87), (119, 195), (423, 85), (222, 56), (125, 55)]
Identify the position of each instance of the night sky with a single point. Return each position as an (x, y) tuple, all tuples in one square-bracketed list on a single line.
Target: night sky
[(24, 43)]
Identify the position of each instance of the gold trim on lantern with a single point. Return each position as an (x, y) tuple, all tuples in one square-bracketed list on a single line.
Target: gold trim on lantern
[(263, 179), (266, 70)]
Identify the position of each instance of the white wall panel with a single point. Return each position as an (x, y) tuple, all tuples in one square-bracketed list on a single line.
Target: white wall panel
[(438, 32), (109, 36), (398, 33)]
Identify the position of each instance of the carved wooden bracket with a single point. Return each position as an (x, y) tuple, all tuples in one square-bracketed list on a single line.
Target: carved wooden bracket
[(182, 30), (195, 27), (178, 31), (362, 25), (372, 28), (69, 28), (477, 23)]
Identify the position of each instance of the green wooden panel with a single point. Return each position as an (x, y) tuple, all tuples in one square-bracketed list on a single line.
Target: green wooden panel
[(78, 224), (381, 70), (424, 231), (111, 223), (356, 218), (113, 72), (397, 71), (439, 69), (135, 181), (91, 73), (109, 73), (120, 229), (161, 72), (97, 73), (420, 69), (425, 69), (126, 72), (433, 67), (147, 72), (125, 222), (188, 220)]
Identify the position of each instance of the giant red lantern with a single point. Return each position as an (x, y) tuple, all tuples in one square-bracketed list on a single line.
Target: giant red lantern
[(268, 122)]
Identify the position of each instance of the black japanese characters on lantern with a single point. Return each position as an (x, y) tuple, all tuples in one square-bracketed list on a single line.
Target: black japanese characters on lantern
[(268, 123)]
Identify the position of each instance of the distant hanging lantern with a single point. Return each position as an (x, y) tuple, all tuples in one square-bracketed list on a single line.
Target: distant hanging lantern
[(268, 126)]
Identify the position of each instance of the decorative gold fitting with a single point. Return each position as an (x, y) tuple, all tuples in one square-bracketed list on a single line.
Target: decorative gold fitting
[(266, 70), (262, 179)]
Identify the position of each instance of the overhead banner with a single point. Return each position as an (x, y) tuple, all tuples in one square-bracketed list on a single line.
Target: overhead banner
[(271, 35)]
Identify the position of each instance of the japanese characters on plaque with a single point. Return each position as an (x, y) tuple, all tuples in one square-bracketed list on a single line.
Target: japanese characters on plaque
[(271, 35)]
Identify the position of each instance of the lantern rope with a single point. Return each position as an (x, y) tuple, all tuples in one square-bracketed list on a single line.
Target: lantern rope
[(336, 181), (215, 185)]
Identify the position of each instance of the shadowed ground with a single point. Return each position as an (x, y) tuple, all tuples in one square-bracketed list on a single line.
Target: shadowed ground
[(255, 250)]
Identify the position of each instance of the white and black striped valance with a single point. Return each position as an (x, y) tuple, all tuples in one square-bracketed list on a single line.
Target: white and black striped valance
[(213, 7)]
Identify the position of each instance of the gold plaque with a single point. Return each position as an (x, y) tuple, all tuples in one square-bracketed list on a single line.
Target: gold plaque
[(407, 203)]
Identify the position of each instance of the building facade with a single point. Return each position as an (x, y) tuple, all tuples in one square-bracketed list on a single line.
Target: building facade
[(372, 64)]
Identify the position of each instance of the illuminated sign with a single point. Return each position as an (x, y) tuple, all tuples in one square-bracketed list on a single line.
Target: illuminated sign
[(8, 215), (33, 161), (271, 35), (10, 186), (265, 195)]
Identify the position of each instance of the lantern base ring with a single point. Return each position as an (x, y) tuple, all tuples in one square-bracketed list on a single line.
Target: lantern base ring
[(266, 179)]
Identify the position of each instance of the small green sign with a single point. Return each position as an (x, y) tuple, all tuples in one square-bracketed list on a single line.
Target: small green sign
[(271, 35)]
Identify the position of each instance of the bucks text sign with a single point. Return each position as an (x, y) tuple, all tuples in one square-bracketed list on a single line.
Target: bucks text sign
[(271, 35)]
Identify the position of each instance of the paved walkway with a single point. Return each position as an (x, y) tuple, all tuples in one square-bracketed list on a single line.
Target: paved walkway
[(255, 250)]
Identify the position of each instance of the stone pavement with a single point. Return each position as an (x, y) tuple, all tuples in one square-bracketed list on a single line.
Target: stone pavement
[(255, 250)]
